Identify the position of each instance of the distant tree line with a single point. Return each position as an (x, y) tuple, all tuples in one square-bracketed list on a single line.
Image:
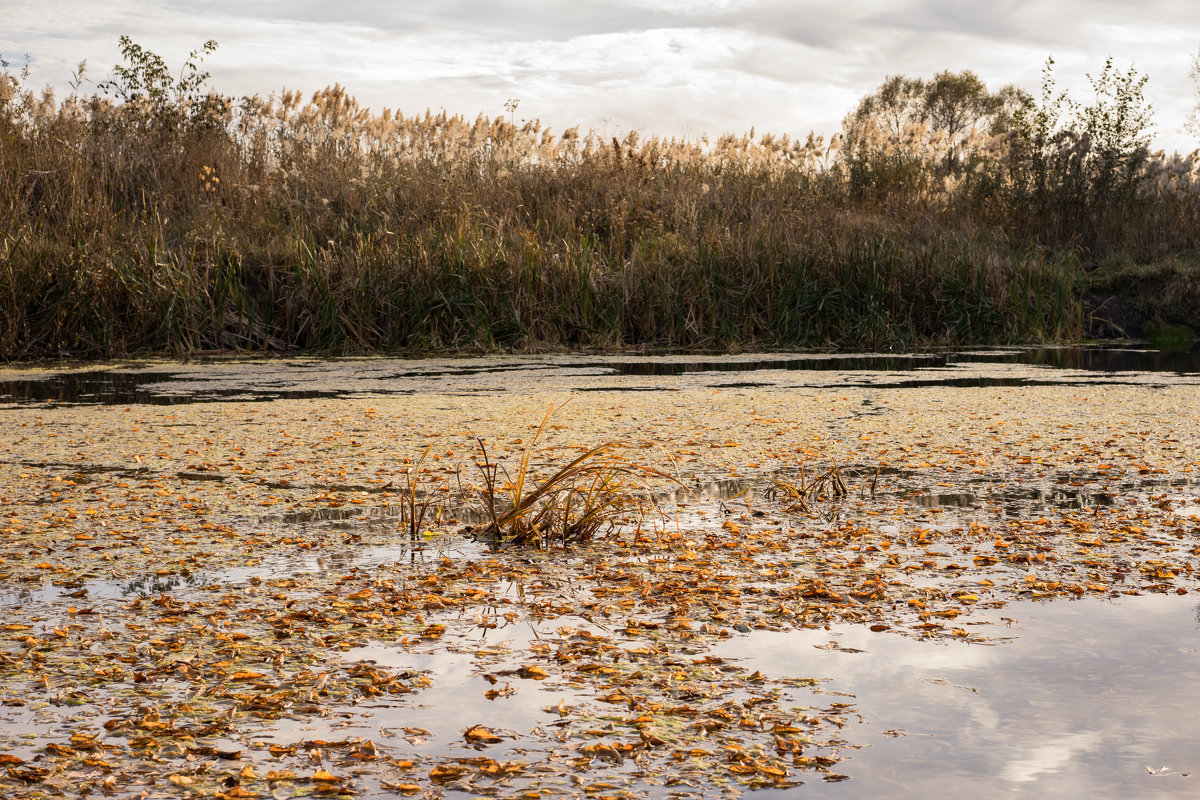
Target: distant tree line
[(1069, 164)]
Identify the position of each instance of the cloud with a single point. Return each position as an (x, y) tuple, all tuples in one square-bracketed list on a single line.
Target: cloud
[(1047, 754), (665, 66)]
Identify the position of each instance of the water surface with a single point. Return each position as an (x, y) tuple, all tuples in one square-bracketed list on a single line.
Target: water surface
[(261, 380), (1074, 699)]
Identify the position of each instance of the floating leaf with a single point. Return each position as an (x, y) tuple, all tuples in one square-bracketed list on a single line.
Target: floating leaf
[(480, 735)]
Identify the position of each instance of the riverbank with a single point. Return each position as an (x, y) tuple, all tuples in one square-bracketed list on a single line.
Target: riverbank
[(192, 225), (1159, 302)]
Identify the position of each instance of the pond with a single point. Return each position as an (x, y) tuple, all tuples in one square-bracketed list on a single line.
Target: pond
[(880, 575)]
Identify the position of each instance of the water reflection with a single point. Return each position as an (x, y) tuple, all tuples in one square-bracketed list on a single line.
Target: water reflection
[(150, 585), (116, 387), (147, 585), (1074, 699)]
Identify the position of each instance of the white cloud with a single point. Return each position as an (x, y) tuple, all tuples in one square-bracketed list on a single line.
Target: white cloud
[(1047, 754), (668, 66)]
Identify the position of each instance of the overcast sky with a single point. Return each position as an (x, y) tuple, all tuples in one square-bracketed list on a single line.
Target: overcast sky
[(670, 67)]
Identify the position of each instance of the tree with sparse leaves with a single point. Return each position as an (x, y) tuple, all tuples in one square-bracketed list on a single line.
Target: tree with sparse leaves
[(148, 90), (1067, 154), (952, 104), (1193, 121)]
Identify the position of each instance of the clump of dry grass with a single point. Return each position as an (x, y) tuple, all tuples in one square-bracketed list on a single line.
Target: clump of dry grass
[(587, 497), (798, 492), (415, 505)]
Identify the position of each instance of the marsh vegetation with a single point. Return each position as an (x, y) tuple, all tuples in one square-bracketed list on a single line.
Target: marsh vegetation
[(158, 216)]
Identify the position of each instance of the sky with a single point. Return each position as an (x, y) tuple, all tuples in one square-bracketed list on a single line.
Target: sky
[(675, 68)]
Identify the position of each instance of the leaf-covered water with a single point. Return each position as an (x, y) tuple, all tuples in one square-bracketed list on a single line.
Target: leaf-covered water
[(212, 599)]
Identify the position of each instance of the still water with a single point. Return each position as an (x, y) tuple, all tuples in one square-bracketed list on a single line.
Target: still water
[(174, 383), (1073, 699), (1056, 698)]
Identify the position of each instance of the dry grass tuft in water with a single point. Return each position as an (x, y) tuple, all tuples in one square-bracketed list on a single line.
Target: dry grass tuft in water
[(414, 507), (799, 492), (588, 497)]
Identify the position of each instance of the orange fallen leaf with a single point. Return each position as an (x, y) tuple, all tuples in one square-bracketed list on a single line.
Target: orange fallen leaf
[(478, 733), (445, 772), (237, 792), (406, 788)]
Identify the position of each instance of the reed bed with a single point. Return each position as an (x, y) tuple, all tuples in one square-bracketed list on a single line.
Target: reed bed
[(199, 224)]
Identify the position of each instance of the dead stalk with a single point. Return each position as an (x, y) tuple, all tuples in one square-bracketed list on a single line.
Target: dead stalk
[(413, 511)]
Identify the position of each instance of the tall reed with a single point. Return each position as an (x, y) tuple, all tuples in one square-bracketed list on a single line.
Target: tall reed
[(276, 224)]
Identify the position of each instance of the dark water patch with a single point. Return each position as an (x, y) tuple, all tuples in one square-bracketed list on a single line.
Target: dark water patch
[(201, 476), (623, 389), (115, 387), (338, 378), (739, 385), (489, 369), (1091, 359), (1112, 359), (891, 363), (82, 472), (75, 388), (984, 381)]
